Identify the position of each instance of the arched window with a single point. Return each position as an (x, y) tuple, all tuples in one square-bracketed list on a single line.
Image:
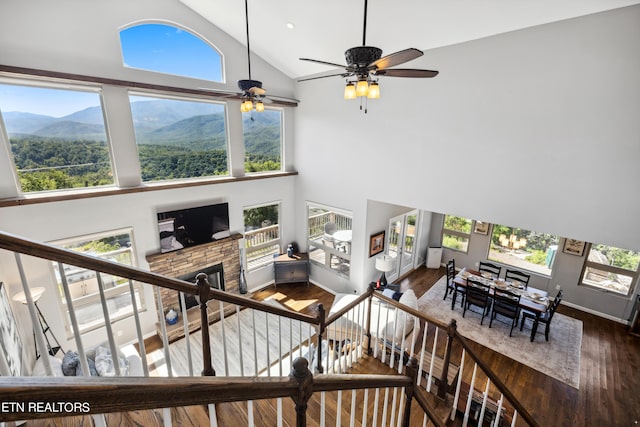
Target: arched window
[(171, 50)]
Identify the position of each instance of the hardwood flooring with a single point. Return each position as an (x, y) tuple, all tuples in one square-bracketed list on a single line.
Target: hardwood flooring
[(609, 393)]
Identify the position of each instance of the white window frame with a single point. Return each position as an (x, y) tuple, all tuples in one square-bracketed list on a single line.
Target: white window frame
[(269, 242), (633, 275), (447, 231), (94, 298)]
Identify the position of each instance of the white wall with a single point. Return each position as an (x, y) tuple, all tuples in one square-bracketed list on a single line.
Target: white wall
[(64, 36), (535, 129)]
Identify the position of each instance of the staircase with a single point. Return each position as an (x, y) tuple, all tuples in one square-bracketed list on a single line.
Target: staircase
[(362, 378)]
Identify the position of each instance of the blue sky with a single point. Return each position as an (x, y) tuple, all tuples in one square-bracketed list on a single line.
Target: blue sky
[(154, 47)]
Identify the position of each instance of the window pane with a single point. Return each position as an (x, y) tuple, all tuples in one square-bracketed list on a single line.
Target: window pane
[(262, 141), (83, 284), (329, 241), (179, 139), (455, 242), (616, 257), (170, 50), (524, 249), (262, 235), (57, 137), (614, 282), (457, 223)]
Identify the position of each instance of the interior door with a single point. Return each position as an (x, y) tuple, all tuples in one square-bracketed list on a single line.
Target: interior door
[(403, 230)]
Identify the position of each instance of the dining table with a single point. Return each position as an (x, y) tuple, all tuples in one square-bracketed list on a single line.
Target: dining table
[(533, 300), (345, 237)]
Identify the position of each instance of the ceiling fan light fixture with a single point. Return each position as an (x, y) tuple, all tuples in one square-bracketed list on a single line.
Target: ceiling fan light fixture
[(259, 106), (247, 106), (350, 91), (374, 91), (362, 87)]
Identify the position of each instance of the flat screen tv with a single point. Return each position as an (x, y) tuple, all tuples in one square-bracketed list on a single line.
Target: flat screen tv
[(184, 228)]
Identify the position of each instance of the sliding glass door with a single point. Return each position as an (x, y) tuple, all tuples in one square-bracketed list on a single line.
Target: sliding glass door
[(402, 233)]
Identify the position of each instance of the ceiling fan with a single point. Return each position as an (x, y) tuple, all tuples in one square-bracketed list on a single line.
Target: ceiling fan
[(366, 63), (252, 92)]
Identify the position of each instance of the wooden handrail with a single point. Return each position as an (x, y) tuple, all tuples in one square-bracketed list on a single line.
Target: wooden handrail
[(25, 246), (344, 310), (334, 382), (420, 396), (121, 394), (410, 310)]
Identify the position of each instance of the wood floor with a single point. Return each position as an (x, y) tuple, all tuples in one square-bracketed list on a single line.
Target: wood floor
[(609, 393)]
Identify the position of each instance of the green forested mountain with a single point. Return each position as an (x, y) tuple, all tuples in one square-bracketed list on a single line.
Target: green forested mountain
[(173, 143)]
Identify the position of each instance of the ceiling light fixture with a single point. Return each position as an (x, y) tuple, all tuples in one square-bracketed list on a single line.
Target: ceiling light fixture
[(252, 92)]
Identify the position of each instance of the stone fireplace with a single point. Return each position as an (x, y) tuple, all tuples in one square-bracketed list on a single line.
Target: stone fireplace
[(217, 259)]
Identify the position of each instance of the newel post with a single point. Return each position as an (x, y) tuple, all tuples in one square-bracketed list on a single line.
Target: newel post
[(203, 296), (451, 332), (368, 327), (321, 327), (304, 377), (412, 372)]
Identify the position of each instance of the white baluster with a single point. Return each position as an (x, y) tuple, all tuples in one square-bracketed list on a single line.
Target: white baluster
[(424, 345), (433, 357), (224, 340), (376, 404), (457, 394), (163, 330), (255, 342), (485, 397), (187, 335), (213, 418), (107, 324), (352, 422), (136, 316), (240, 352), (365, 406), (250, 413), (339, 410), (465, 420)]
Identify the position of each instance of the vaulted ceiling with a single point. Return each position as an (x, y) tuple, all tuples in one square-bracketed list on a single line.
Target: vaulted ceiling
[(324, 29)]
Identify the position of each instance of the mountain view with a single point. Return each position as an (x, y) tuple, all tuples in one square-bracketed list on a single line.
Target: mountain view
[(176, 139)]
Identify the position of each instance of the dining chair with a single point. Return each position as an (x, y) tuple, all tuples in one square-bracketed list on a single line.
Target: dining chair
[(451, 274), (545, 317), (506, 304), (511, 275), (488, 267), (477, 293)]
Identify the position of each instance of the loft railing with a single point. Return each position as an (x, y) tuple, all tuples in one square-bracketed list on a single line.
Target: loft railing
[(361, 326)]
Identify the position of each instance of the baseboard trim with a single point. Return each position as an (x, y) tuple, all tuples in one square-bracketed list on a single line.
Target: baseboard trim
[(596, 313)]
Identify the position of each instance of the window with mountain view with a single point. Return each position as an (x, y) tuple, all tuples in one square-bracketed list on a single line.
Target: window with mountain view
[(611, 269), (523, 249), (179, 139), (170, 50), (262, 141), (57, 137)]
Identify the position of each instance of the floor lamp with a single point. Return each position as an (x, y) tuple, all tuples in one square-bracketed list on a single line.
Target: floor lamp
[(36, 293), (384, 263)]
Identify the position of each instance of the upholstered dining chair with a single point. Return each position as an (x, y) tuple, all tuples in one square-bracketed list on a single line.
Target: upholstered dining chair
[(488, 267), (506, 304), (451, 274), (545, 318), (511, 275), (478, 295)]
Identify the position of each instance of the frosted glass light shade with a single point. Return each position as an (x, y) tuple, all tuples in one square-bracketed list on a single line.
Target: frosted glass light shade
[(349, 91), (362, 88), (374, 91)]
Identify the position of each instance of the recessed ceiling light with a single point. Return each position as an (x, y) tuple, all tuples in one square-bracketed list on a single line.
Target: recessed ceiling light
[(291, 25)]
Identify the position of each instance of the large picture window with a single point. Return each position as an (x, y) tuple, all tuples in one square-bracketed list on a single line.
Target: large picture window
[(261, 234), (611, 269), (329, 237), (83, 284), (456, 233), (57, 137), (262, 141), (179, 138), (523, 249)]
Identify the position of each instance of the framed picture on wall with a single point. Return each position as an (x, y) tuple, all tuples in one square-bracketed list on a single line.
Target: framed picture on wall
[(9, 336), (481, 228), (573, 247), (376, 244)]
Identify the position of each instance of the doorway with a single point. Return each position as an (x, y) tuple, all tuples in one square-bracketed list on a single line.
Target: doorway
[(402, 233)]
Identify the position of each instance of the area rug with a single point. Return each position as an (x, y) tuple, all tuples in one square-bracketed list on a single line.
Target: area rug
[(558, 358)]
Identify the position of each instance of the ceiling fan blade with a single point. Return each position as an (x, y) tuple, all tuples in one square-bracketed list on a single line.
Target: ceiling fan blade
[(406, 72), (257, 91), (333, 64), (322, 77), (397, 58)]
